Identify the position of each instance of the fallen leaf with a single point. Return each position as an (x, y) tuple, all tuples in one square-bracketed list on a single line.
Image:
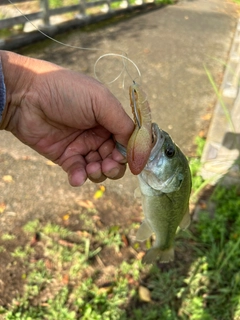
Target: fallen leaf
[(125, 240), (7, 178), (35, 239), (48, 264), (85, 204), (65, 243), (83, 234), (203, 205), (2, 207), (102, 188), (50, 163), (99, 193), (66, 217), (65, 279), (207, 116), (144, 294), (97, 221), (106, 289), (140, 255), (201, 134)]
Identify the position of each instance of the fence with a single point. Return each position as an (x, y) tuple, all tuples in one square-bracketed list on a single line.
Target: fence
[(81, 18)]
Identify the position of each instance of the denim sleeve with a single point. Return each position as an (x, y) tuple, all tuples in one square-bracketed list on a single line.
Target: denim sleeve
[(2, 91)]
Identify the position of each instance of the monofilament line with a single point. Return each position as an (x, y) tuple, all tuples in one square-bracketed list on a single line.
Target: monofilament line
[(124, 67), (124, 57)]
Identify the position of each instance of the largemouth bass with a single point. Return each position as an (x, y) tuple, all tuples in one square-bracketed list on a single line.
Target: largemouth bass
[(165, 186)]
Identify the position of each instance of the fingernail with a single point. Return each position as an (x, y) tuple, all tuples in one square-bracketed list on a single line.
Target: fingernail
[(95, 175), (117, 156), (112, 173)]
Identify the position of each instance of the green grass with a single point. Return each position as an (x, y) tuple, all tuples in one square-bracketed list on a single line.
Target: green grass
[(195, 166), (61, 3), (204, 282), (217, 281), (66, 276)]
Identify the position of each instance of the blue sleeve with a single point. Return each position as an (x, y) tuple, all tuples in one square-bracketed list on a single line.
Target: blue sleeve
[(2, 91)]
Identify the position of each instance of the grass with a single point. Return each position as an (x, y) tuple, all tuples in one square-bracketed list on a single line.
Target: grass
[(67, 275), (84, 274), (61, 3)]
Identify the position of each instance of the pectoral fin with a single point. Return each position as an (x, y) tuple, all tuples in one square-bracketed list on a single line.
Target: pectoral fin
[(186, 220), (144, 232)]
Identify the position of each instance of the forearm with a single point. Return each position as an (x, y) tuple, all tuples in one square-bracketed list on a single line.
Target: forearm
[(19, 73), (2, 91), (16, 79)]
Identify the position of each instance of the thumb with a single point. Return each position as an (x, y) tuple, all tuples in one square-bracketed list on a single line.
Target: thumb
[(110, 114)]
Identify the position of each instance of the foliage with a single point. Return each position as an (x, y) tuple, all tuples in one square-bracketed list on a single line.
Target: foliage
[(214, 282), (164, 1), (79, 275), (65, 283), (195, 166), (61, 3)]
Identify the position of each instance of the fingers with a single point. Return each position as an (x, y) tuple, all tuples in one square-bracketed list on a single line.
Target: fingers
[(117, 156), (94, 172), (76, 175), (108, 168), (97, 170), (102, 165), (112, 169), (75, 167)]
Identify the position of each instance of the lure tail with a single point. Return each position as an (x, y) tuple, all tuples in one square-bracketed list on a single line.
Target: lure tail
[(140, 143)]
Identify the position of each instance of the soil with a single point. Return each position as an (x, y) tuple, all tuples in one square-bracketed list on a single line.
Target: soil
[(38, 190)]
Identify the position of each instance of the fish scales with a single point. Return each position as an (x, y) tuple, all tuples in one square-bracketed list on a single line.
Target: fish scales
[(164, 180), (163, 213)]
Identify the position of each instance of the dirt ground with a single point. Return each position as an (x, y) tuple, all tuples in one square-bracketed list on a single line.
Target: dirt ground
[(32, 188)]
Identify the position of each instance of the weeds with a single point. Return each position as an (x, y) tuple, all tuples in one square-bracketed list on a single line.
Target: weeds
[(214, 285), (69, 275), (195, 166)]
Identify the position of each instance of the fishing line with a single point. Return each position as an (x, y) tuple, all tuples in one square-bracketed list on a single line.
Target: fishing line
[(49, 37), (124, 69), (122, 56)]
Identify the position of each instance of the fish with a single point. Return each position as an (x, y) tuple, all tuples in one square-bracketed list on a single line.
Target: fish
[(165, 187)]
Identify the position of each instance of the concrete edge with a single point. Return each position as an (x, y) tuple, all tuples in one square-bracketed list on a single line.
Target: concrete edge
[(220, 158)]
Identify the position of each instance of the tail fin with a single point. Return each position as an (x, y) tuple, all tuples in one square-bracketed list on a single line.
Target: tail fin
[(154, 254)]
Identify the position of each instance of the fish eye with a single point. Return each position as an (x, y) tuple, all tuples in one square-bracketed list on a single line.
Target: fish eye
[(170, 151)]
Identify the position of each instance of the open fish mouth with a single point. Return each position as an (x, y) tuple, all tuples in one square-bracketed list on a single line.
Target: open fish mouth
[(158, 141), (156, 174)]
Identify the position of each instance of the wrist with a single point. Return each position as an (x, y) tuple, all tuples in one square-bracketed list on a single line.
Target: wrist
[(16, 81), (2, 91)]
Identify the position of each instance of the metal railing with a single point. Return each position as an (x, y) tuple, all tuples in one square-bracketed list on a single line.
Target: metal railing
[(84, 15), (45, 13)]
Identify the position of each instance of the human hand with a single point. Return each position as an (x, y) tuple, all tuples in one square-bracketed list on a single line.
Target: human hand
[(67, 117)]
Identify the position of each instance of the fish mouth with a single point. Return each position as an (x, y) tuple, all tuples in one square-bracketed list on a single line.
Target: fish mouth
[(148, 174), (158, 141), (152, 175)]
